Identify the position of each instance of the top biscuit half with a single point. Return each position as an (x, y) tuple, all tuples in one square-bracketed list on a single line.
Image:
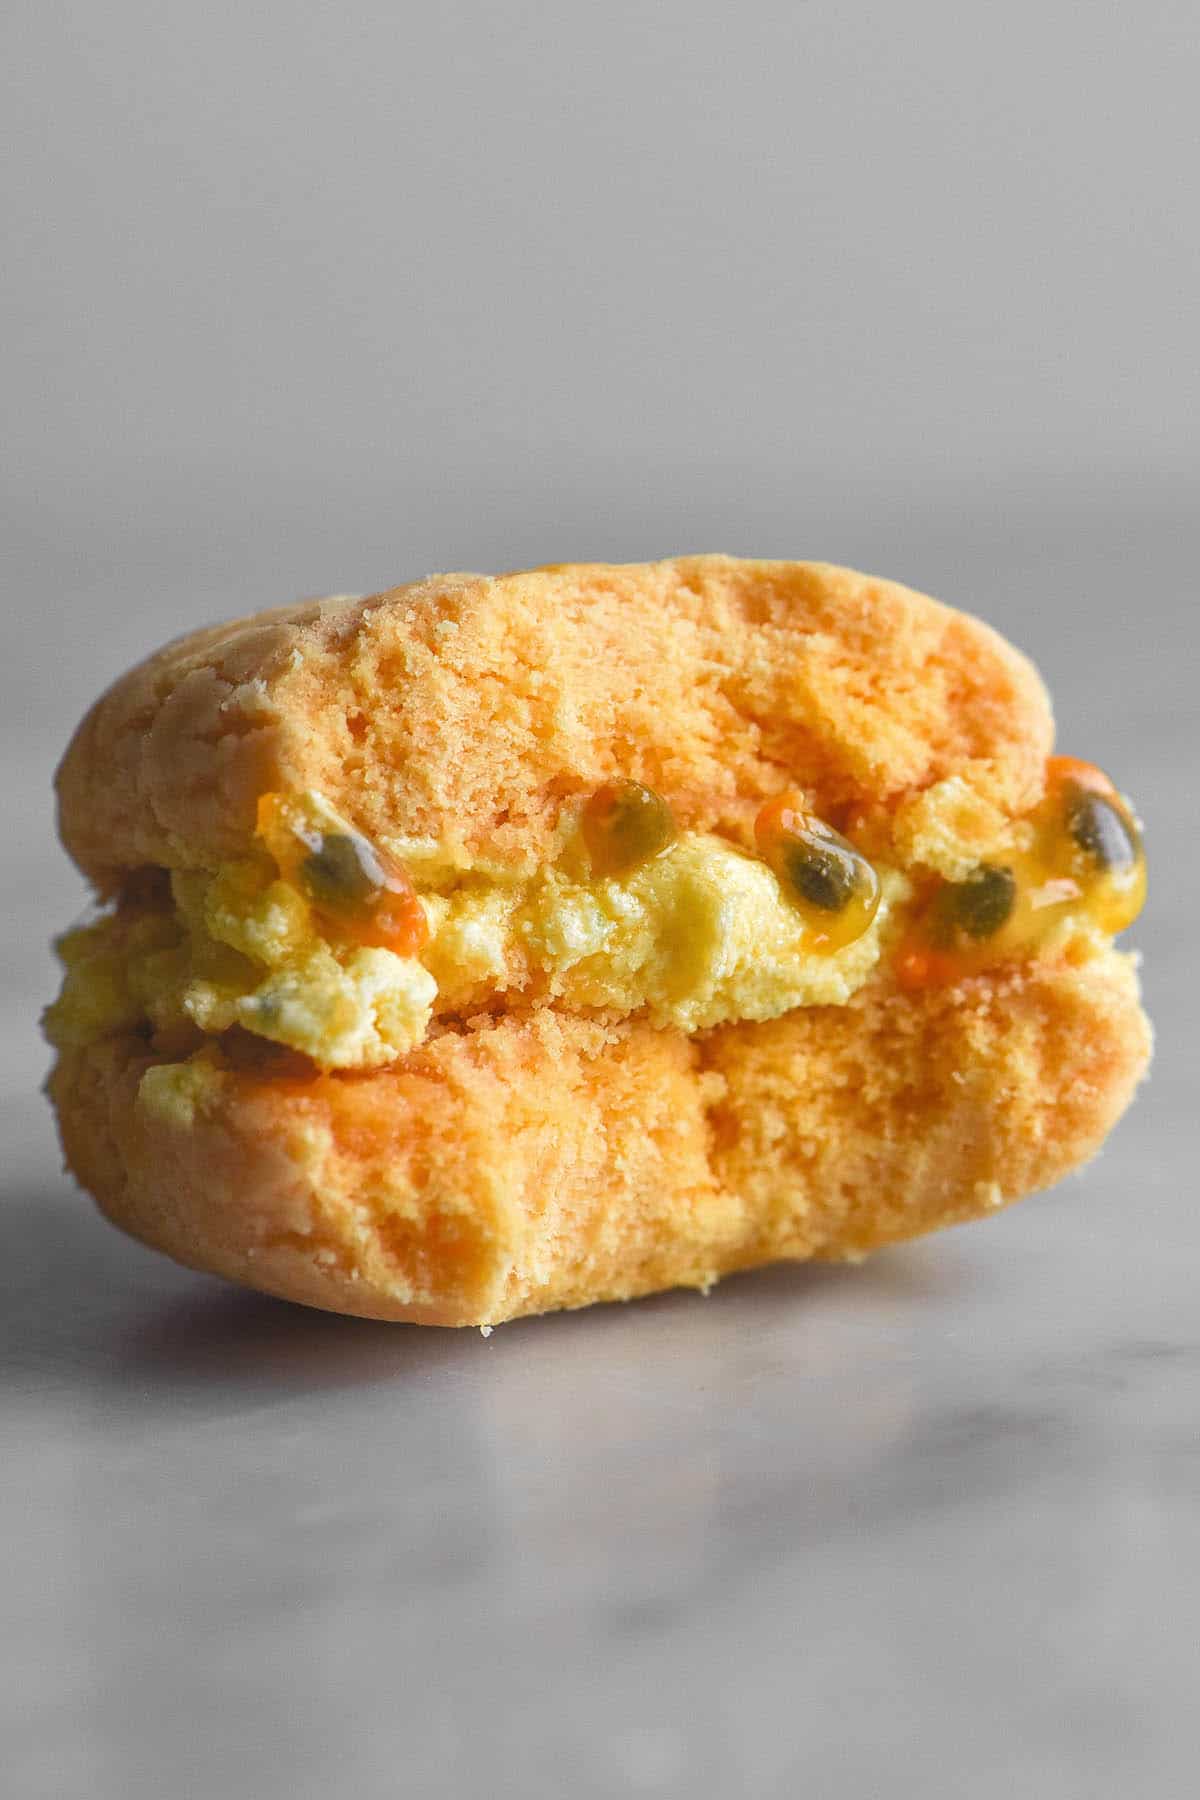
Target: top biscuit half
[(465, 712)]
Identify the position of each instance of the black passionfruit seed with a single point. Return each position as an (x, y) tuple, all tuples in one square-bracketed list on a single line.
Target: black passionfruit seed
[(1102, 831), (825, 872), (342, 872), (982, 903), (832, 883), (626, 825)]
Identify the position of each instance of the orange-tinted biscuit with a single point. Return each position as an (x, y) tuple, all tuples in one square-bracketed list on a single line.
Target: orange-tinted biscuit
[(577, 1136), (465, 708)]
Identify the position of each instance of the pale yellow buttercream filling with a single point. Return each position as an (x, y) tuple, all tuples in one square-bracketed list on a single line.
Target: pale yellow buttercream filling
[(702, 935)]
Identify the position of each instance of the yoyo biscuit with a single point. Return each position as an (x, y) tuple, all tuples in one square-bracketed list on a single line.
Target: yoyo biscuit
[(494, 945)]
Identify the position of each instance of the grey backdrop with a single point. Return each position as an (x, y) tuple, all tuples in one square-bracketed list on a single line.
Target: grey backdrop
[(303, 298)]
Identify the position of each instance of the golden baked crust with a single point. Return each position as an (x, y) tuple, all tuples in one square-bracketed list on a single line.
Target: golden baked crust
[(466, 708), (525, 1164)]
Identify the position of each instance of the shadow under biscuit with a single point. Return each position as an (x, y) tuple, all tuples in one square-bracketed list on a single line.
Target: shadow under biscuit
[(87, 1312)]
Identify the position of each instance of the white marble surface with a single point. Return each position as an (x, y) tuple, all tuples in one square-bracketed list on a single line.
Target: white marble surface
[(928, 1527)]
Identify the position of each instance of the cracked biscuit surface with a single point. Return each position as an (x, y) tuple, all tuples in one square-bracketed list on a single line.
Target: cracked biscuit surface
[(568, 1088)]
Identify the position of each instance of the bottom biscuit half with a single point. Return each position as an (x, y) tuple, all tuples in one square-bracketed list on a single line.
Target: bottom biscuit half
[(524, 1164)]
